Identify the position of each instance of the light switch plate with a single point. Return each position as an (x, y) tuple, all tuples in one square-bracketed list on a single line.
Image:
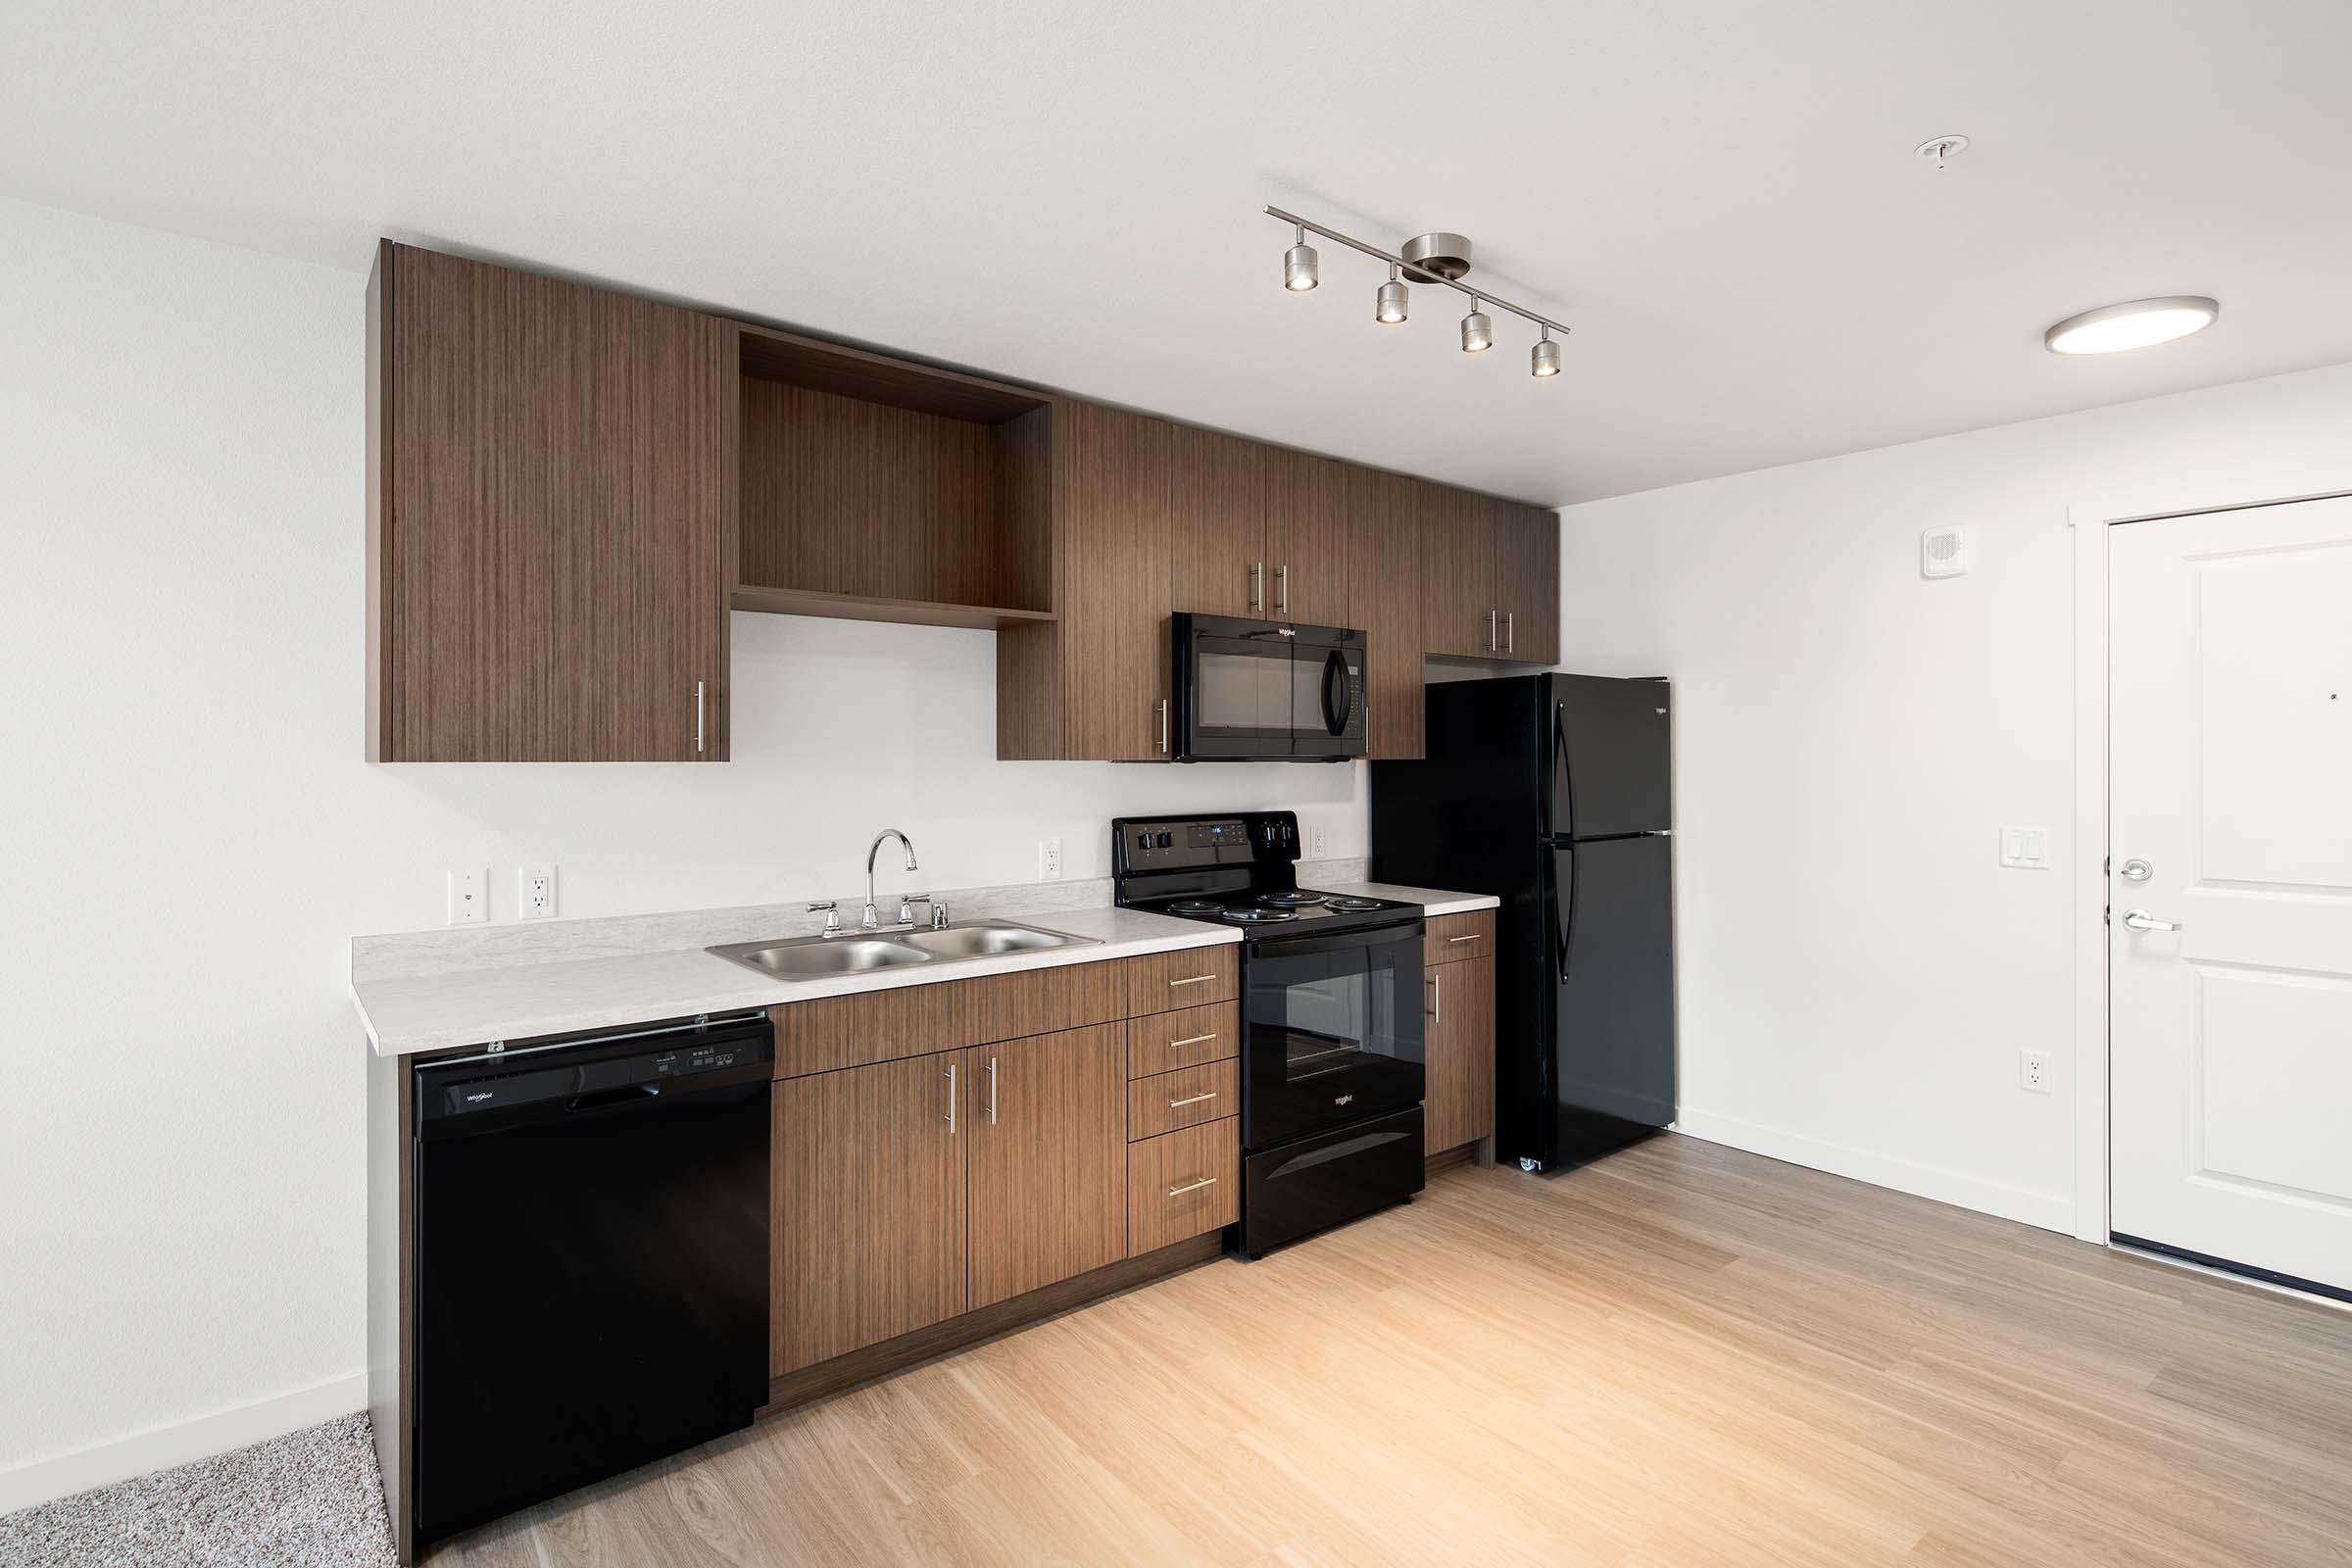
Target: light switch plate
[(2025, 849), (535, 892), (468, 897)]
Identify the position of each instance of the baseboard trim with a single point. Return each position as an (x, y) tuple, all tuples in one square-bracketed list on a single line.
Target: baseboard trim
[(178, 1442), (1882, 1170)]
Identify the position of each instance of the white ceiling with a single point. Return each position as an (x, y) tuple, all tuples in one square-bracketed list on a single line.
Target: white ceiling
[(1720, 194)]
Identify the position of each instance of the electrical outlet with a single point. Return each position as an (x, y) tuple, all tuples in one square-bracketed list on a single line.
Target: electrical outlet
[(468, 898), (1049, 859), (2033, 1071), (1318, 843), (535, 892)]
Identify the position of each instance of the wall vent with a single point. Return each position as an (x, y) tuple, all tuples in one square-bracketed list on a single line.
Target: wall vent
[(1942, 553)]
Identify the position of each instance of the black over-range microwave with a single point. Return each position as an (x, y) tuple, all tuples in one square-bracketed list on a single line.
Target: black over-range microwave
[(1265, 691)]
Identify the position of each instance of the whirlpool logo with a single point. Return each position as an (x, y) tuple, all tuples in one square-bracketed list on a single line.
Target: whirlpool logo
[(477, 1099), (1344, 1100)]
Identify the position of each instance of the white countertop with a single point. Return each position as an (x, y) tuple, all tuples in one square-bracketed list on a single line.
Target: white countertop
[(1432, 900), (521, 1000)]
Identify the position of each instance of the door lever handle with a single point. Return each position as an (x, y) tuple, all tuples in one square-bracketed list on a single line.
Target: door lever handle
[(2142, 920)]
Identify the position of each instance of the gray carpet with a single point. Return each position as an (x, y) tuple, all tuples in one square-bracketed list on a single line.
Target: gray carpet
[(309, 1499)]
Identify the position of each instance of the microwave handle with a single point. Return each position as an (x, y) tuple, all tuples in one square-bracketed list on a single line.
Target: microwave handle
[(1336, 713)]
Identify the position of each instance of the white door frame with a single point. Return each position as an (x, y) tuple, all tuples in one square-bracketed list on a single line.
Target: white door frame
[(2090, 521)]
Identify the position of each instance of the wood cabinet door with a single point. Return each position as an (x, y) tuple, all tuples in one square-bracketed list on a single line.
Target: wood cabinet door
[(1460, 598), (1111, 583), (1385, 599), (1457, 1106), (1308, 528), (1048, 1161), (867, 1205), (1526, 579), (555, 484), (1218, 529)]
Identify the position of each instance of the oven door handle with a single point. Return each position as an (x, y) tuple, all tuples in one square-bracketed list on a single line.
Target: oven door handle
[(1377, 936)]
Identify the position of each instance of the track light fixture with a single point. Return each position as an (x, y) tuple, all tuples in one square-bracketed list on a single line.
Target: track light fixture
[(1545, 358), (1440, 258), (1300, 272), (1477, 329)]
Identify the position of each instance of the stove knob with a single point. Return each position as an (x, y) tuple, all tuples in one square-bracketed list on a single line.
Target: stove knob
[(1166, 840)]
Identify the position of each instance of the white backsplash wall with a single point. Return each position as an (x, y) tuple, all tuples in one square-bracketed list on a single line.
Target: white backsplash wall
[(193, 835)]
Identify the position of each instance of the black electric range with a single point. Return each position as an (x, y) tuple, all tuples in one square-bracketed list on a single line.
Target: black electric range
[(1332, 1047)]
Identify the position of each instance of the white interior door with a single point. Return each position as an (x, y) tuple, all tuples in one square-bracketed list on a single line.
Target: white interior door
[(2230, 747)]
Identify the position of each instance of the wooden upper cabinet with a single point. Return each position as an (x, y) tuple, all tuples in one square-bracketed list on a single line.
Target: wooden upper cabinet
[(1046, 1128), (1217, 523), (1092, 684), (1461, 597), (551, 484), (1308, 573), (1527, 582), (1383, 544), (866, 1206)]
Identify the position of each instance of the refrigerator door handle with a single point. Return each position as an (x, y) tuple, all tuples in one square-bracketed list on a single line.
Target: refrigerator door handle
[(1563, 912)]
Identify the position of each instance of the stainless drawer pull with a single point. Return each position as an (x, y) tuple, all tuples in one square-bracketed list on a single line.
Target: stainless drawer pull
[(1192, 1186), (950, 1077), (1196, 980), (1472, 937), (1191, 1040), (1176, 1105)]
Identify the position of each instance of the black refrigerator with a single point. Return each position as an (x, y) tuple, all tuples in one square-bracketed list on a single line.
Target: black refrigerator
[(1554, 793)]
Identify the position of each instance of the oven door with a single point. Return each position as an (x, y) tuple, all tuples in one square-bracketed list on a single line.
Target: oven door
[(1232, 688), (1331, 1030)]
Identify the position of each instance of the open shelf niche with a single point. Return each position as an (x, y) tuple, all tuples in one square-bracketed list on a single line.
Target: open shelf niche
[(875, 489)]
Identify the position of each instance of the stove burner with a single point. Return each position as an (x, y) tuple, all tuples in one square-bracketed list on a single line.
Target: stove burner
[(1195, 906), (1289, 901), (1249, 917), (1345, 905)]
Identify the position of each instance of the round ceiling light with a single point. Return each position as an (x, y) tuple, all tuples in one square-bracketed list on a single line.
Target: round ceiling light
[(2135, 324)]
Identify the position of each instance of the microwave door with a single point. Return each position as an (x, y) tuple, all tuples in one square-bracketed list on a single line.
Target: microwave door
[(1240, 695)]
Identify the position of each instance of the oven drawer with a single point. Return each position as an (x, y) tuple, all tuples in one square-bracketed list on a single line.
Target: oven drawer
[(1163, 982), (1301, 1187), (1182, 1185), (1452, 938), (1167, 1100), (1167, 1041)]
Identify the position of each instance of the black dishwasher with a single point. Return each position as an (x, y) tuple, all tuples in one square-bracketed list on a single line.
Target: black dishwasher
[(590, 1228)]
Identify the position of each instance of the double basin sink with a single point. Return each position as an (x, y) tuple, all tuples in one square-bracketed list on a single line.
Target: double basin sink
[(815, 957)]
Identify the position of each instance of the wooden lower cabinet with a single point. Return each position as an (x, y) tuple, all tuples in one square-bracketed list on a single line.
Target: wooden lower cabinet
[(1045, 1128), (1183, 1184), (1457, 1003), (1167, 1100), (1190, 977), (866, 1211)]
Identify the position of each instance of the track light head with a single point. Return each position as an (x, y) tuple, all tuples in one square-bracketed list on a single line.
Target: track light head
[(1299, 268), (1388, 306), (1477, 329), (1545, 358)]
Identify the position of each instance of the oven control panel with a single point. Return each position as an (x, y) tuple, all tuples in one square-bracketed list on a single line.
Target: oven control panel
[(1145, 845)]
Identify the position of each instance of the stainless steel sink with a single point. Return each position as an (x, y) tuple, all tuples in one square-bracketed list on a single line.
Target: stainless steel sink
[(981, 938), (815, 957)]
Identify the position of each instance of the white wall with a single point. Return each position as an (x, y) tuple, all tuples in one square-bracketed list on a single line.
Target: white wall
[(1858, 973), (192, 833)]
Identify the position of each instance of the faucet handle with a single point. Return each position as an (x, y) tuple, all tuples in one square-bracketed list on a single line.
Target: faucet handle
[(906, 906), (824, 907)]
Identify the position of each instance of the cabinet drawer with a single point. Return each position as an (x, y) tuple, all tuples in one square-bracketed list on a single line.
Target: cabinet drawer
[(1451, 938), (1167, 1100), (1167, 1041), (827, 1033), (1183, 1184), (1163, 982)]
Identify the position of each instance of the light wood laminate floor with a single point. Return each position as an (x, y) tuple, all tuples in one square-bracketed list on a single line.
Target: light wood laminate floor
[(1681, 1356)]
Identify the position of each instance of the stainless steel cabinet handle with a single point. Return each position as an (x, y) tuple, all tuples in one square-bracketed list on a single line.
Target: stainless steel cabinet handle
[(1196, 980), (1192, 1186), (1490, 631), (991, 1091), (1163, 727), (1258, 587), (2142, 920), (1510, 631), (1437, 998), (1178, 1104), (951, 1097), (698, 715), (1472, 937), (1282, 590), (1191, 1040)]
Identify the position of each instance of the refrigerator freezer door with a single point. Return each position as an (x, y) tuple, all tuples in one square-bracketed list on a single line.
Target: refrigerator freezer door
[(1607, 752), (1612, 916)]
